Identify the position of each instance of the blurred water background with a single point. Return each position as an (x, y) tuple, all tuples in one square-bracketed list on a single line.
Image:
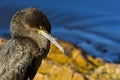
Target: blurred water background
[(92, 25)]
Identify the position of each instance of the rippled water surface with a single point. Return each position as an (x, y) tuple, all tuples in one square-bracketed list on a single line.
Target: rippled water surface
[(92, 25)]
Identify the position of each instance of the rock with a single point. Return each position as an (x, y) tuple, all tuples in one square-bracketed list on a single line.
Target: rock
[(73, 66)]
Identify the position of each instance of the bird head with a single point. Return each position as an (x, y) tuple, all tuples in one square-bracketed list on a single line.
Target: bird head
[(33, 24), (26, 23)]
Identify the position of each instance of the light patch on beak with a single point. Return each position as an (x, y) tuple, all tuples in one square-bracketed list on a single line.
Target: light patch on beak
[(51, 39)]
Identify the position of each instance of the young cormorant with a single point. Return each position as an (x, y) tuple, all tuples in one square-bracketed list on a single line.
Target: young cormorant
[(21, 56)]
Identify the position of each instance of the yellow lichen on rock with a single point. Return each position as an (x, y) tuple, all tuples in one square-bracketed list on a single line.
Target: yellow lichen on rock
[(77, 76), (57, 56), (79, 62), (65, 66), (108, 71), (2, 41), (40, 77), (55, 72)]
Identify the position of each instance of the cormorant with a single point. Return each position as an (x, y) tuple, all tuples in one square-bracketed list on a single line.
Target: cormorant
[(21, 56)]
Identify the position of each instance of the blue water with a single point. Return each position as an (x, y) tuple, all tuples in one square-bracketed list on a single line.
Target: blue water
[(92, 25)]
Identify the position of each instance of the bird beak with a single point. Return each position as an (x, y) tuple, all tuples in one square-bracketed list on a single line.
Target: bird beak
[(51, 39)]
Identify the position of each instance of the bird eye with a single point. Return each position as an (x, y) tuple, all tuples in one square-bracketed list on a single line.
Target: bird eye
[(41, 27)]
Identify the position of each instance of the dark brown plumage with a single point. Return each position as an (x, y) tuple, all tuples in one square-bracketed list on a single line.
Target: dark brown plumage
[(21, 56)]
